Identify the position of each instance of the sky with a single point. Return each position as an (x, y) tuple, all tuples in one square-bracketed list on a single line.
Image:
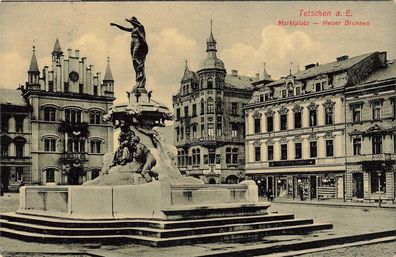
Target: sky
[(247, 35)]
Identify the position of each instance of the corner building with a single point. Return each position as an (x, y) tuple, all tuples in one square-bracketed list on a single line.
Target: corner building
[(295, 129), (68, 135), (209, 124), (371, 137)]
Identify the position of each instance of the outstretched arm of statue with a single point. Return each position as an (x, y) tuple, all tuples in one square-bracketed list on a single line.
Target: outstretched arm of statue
[(121, 27)]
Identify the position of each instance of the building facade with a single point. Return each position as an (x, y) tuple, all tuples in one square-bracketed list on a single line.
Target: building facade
[(209, 124), (296, 129), (68, 135), (371, 137), (15, 139)]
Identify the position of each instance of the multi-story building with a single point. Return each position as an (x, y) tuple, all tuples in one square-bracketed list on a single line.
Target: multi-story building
[(15, 139), (371, 137), (209, 124), (295, 128), (67, 102)]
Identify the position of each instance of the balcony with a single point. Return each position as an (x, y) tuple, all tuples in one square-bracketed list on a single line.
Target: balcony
[(15, 159), (73, 157), (383, 157)]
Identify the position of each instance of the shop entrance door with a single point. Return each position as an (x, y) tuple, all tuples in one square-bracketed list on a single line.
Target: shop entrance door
[(357, 179), (313, 187)]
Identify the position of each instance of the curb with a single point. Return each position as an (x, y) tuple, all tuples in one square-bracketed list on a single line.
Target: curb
[(338, 205), (307, 245)]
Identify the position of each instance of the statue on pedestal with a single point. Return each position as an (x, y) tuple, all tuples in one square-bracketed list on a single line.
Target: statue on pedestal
[(139, 49)]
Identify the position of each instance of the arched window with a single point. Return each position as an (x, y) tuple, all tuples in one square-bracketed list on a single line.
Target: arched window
[(95, 173), (194, 160), (73, 115), (210, 83), (19, 123), (50, 144), (228, 155), (50, 175), (49, 113), (210, 105), (235, 155), (5, 145), (198, 153), (96, 146), (19, 146), (95, 117)]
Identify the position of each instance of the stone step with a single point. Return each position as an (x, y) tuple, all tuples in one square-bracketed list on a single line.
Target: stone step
[(116, 223), (246, 235), (150, 232)]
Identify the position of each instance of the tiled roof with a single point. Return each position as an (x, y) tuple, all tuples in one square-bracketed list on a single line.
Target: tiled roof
[(383, 74), (325, 68), (240, 82), (11, 97)]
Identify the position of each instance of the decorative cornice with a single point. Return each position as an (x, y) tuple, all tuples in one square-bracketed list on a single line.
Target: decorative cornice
[(269, 113), (328, 104), (257, 143), (257, 115), (297, 139), (312, 106), (297, 108), (312, 137), (270, 141), (283, 140), (329, 135), (283, 110)]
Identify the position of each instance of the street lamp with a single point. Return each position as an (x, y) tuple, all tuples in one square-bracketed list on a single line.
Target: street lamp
[(379, 189)]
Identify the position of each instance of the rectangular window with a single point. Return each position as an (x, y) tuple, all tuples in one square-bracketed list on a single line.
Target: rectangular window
[(377, 144), (257, 125), (206, 159), (378, 181), (298, 90), (234, 132), (356, 114), (234, 108), (178, 114), (297, 120), (318, 87), (261, 98), (283, 93), (81, 88), (19, 173), (185, 111), (270, 124), (266, 96), (210, 129), (50, 86), (257, 153), (284, 152), (49, 113), (298, 150), (212, 158), (313, 149), (66, 87), (18, 124), (329, 148), (329, 116), (376, 111), (218, 159), (357, 146), (95, 90), (202, 129), (312, 118), (270, 151), (194, 110), (283, 120)]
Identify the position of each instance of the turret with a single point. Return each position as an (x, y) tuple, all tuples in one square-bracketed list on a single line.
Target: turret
[(108, 81), (57, 52), (33, 72)]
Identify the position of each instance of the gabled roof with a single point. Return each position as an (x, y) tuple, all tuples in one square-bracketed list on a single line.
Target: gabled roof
[(239, 82), (189, 75), (326, 68), (11, 97)]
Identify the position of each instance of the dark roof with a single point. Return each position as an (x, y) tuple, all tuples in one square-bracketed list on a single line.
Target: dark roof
[(108, 74), (383, 74), (33, 63), (239, 82), (57, 48), (11, 97), (325, 68)]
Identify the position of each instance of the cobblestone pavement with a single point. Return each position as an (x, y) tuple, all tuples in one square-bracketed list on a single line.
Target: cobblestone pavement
[(347, 221)]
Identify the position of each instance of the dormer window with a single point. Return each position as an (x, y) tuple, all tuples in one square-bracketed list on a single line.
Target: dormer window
[(283, 93), (267, 96), (298, 90), (318, 87)]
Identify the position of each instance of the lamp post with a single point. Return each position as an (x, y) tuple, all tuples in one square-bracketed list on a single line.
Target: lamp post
[(379, 189)]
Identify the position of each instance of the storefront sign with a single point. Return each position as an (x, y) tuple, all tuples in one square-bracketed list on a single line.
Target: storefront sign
[(292, 163)]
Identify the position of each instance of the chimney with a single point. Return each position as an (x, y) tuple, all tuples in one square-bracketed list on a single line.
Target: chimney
[(77, 53), (234, 73), (308, 66), (257, 76), (69, 52), (342, 58)]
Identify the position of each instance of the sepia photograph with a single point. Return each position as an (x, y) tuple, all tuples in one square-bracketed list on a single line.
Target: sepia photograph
[(198, 128)]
